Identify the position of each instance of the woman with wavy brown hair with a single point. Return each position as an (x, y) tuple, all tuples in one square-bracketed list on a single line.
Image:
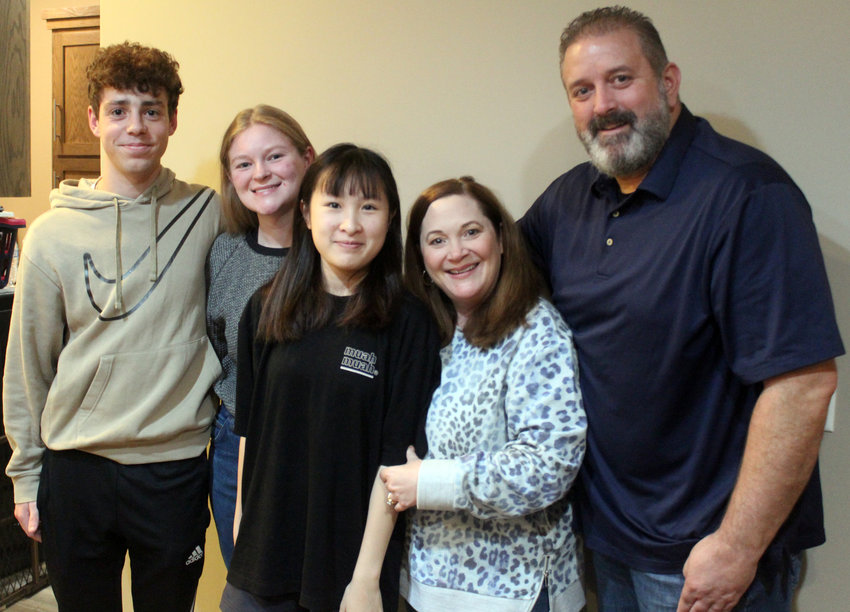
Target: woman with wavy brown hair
[(492, 528)]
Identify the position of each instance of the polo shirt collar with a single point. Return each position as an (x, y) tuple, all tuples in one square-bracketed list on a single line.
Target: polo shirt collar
[(662, 176)]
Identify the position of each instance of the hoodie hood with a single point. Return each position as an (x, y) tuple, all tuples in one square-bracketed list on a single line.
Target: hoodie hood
[(81, 194)]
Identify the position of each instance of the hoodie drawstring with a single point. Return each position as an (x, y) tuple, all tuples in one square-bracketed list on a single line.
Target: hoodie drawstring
[(154, 204), (119, 271)]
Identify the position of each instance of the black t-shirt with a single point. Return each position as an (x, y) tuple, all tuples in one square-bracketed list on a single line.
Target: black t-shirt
[(320, 415)]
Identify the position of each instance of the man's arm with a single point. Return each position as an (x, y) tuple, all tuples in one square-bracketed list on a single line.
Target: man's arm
[(782, 447), (36, 336)]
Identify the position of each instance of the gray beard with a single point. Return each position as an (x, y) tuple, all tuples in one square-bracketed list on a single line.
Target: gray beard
[(631, 152)]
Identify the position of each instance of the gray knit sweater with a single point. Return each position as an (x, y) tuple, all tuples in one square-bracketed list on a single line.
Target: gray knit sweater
[(236, 267)]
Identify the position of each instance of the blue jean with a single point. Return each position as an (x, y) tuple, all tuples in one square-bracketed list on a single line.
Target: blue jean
[(224, 460), (621, 589)]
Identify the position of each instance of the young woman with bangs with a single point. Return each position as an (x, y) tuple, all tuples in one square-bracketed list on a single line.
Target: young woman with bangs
[(336, 368)]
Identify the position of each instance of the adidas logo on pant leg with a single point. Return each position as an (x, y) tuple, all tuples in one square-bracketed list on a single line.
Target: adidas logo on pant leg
[(196, 555)]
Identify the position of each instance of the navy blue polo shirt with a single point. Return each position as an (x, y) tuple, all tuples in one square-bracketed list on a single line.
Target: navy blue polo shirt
[(683, 297)]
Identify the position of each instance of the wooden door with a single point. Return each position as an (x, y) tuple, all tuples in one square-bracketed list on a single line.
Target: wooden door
[(76, 39)]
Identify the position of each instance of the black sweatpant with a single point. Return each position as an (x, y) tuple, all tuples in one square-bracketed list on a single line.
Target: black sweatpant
[(94, 511)]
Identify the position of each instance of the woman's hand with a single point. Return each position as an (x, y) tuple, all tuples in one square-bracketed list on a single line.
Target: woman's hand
[(401, 480), (361, 597)]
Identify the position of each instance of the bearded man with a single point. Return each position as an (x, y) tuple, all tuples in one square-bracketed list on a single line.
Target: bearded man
[(688, 267)]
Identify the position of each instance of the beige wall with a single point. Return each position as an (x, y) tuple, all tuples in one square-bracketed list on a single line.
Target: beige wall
[(450, 87)]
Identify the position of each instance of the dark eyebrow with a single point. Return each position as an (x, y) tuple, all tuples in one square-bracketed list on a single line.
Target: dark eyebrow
[(436, 231), (462, 227), (608, 74), (125, 102)]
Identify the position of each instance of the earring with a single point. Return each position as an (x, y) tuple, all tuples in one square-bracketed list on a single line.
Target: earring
[(427, 279)]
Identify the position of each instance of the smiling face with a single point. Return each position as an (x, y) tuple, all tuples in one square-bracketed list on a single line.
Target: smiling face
[(622, 111), (462, 252), (133, 129), (266, 170), (348, 231)]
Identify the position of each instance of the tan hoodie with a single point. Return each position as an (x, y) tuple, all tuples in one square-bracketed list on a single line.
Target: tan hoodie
[(108, 351)]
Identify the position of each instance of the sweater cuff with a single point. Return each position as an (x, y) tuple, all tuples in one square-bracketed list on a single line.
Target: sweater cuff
[(435, 489), (25, 488)]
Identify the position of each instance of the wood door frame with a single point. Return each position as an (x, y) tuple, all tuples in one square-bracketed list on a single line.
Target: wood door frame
[(70, 26)]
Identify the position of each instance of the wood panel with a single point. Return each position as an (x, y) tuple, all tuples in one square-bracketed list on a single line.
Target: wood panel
[(15, 99), (76, 39), (76, 167), (73, 51), (72, 17)]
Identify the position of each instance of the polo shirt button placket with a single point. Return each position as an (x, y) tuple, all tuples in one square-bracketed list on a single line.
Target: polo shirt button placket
[(614, 215)]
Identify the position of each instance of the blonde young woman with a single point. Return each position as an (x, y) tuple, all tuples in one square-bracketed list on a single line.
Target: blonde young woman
[(264, 156)]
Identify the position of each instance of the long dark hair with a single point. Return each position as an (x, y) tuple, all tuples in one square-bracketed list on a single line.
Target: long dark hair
[(295, 301), (519, 284)]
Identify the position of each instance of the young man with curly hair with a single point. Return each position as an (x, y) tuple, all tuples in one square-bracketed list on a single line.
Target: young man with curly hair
[(108, 367)]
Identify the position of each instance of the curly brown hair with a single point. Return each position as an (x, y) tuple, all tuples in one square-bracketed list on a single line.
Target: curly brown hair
[(134, 67)]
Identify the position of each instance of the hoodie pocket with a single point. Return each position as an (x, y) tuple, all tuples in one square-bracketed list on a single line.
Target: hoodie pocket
[(98, 384), (148, 395)]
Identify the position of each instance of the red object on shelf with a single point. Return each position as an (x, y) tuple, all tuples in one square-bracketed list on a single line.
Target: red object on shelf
[(9, 227)]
